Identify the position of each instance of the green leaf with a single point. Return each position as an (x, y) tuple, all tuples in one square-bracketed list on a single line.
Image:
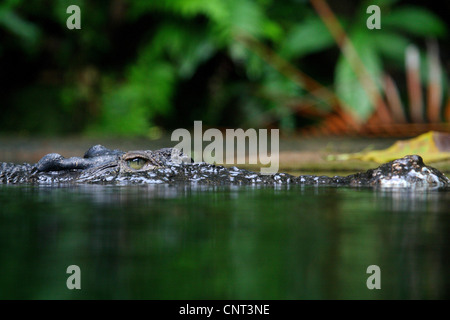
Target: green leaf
[(391, 45), (278, 86), (349, 87), (155, 84), (255, 67), (245, 17), (196, 53), (213, 9), (122, 112), (130, 109), (185, 45), (307, 37), (415, 20), (28, 32), (272, 30)]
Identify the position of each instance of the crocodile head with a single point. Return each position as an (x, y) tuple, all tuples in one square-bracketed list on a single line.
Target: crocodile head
[(100, 164), (407, 172)]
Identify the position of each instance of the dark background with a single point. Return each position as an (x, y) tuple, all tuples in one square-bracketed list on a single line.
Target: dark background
[(138, 68)]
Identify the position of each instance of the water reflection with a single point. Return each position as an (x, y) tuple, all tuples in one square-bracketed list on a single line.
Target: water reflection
[(419, 227), (223, 242)]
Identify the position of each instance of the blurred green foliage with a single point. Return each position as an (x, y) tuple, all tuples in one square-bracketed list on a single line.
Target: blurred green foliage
[(138, 65)]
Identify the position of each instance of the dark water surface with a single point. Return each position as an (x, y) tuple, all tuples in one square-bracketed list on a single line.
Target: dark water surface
[(191, 242)]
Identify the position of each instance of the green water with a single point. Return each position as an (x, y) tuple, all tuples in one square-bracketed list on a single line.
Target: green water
[(187, 242)]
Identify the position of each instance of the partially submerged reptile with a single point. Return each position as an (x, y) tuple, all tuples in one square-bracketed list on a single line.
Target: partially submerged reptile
[(168, 165)]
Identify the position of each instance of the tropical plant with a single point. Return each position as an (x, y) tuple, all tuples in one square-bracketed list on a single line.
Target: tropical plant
[(138, 65)]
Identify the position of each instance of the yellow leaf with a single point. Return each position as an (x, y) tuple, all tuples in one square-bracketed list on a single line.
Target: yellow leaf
[(431, 146)]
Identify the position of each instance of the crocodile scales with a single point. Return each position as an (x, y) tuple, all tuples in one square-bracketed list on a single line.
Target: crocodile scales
[(101, 165)]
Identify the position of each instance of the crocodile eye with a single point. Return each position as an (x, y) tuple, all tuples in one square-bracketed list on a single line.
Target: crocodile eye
[(136, 163)]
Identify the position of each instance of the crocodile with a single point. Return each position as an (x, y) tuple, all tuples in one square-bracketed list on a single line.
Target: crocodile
[(169, 165)]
